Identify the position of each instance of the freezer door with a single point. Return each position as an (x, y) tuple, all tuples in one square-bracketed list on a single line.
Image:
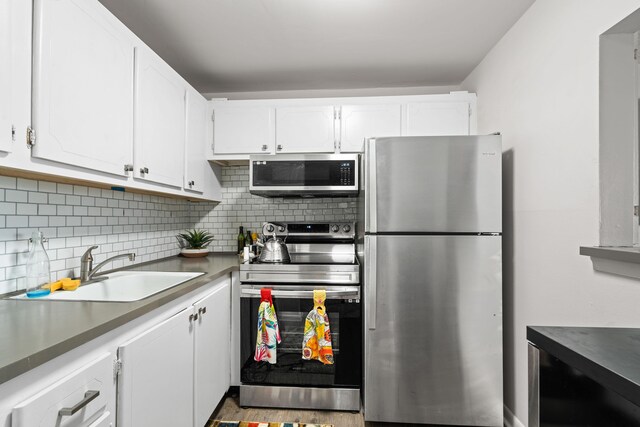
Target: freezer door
[(434, 184), (433, 330)]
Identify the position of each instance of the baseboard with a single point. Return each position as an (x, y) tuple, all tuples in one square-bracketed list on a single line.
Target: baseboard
[(510, 420)]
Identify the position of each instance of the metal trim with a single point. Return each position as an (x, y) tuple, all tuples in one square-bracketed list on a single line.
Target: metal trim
[(534, 385), (336, 399)]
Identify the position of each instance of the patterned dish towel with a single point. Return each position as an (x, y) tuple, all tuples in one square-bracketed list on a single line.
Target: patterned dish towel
[(317, 335), (268, 331)]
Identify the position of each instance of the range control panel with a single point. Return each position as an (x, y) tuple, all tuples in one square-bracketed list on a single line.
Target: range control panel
[(311, 230)]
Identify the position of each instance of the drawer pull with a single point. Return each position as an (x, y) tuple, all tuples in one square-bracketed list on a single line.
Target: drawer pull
[(88, 397)]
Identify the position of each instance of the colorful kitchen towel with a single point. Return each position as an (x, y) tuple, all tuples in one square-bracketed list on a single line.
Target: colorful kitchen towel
[(268, 331), (317, 335), (218, 423)]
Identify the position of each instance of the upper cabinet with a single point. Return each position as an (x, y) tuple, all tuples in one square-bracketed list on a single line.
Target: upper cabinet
[(306, 129), (243, 129), (82, 108), (358, 122), (333, 125), (437, 118), (6, 73), (195, 163), (159, 120)]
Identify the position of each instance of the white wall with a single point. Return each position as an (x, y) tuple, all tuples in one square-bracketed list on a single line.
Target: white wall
[(539, 87)]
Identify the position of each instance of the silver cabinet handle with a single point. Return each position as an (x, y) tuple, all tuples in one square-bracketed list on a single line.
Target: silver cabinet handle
[(192, 183), (88, 397), (193, 317), (370, 281), (264, 147), (144, 170), (202, 310), (279, 147), (128, 168)]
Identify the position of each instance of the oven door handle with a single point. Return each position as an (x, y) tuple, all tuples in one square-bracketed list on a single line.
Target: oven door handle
[(344, 293)]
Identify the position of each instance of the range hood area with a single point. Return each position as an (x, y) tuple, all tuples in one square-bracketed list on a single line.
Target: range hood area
[(304, 175)]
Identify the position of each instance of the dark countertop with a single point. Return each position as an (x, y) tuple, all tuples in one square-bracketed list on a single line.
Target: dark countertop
[(610, 356), (33, 332)]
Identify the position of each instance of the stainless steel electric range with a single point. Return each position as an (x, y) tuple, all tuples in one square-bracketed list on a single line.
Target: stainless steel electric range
[(323, 256)]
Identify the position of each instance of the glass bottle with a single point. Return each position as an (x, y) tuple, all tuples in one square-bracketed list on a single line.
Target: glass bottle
[(241, 240), (247, 239), (38, 267)]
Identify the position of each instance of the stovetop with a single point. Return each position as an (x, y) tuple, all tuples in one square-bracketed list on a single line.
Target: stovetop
[(315, 258)]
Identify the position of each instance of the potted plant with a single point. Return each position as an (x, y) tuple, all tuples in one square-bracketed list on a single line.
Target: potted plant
[(193, 243)]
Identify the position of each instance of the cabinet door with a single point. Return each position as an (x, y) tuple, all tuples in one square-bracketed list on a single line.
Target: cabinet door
[(212, 347), (358, 122), (160, 120), (6, 72), (82, 86), (196, 141), (243, 130), (305, 129), (89, 387), (437, 118), (155, 386)]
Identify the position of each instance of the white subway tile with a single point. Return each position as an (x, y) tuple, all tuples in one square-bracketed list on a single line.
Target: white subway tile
[(27, 184), (38, 197), (16, 196)]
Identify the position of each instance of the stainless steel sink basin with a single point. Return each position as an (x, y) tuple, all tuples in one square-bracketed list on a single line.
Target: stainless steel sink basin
[(122, 286)]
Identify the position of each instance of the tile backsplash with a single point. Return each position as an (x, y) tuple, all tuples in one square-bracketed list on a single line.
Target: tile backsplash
[(74, 217), (239, 207)]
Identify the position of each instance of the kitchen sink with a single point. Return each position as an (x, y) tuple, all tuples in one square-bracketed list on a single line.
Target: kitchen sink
[(122, 286)]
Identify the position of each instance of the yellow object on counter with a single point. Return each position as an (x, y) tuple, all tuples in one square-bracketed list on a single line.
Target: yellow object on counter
[(67, 284)]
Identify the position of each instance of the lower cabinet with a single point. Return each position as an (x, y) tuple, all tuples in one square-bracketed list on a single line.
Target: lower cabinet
[(77, 400), (168, 368), (175, 373)]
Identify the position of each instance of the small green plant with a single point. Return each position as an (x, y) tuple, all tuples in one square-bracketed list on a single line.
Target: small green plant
[(194, 239)]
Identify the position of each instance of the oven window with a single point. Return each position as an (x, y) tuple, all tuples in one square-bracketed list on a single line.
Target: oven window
[(291, 369), (315, 173)]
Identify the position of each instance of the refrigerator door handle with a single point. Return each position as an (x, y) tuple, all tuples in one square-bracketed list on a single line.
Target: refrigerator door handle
[(371, 290), (371, 221)]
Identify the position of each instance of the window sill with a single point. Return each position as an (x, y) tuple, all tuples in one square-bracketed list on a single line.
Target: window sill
[(623, 261)]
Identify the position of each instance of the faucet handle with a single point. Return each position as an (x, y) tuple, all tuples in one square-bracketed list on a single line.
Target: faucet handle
[(87, 255)]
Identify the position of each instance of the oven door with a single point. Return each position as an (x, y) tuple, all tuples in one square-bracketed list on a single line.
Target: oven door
[(292, 303)]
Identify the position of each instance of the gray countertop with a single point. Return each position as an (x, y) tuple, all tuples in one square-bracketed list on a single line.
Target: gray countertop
[(609, 356), (34, 332)]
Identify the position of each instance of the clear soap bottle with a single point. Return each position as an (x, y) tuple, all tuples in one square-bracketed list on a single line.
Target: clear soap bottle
[(38, 267)]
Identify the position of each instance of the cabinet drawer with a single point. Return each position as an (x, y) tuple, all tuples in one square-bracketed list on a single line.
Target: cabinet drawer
[(74, 393)]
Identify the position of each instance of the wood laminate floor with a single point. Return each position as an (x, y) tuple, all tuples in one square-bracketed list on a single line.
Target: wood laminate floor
[(230, 410)]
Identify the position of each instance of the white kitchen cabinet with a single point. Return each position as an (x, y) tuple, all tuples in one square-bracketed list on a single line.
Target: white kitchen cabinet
[(82, 101), (358, 122), (437, 118), (79, 399), (195, 160), (306, 129), (244, 129), (212, 352), (159, 133), (6, 74), (176, 372), (155, 385)]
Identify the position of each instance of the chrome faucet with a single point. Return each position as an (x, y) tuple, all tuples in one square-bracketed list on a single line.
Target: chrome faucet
[(87, 271)]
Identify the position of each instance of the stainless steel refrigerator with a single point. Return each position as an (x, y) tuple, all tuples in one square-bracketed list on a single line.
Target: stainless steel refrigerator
[(432, 212)]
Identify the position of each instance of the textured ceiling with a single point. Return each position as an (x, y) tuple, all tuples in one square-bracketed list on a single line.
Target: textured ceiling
[(266, 45)]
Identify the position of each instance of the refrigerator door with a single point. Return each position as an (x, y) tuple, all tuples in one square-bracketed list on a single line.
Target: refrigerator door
[(434, 184), (433, 330)]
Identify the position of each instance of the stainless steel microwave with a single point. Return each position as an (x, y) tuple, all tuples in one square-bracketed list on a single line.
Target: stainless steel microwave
[(304, 175)]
